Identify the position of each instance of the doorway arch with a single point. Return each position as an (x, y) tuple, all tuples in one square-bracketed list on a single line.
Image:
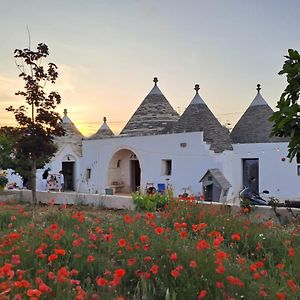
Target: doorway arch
[(124, 172)]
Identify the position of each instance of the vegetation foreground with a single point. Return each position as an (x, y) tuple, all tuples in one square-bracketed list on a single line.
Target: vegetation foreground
[(183, 252)]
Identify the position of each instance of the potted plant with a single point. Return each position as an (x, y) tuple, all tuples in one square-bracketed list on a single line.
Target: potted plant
[(3, 180)]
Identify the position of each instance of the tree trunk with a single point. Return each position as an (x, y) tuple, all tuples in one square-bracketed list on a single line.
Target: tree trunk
[(33, 182)]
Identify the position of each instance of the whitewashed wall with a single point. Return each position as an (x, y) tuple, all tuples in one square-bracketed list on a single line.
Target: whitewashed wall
[(189, 164), (56, 164), (278, 176)]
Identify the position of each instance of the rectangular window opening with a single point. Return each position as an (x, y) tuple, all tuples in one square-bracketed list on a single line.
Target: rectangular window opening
[(166, 167)]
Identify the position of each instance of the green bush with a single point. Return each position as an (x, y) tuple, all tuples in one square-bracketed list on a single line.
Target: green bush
[(151, 202)]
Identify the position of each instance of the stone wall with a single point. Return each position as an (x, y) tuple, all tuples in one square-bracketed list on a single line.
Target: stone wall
[(258, 214)]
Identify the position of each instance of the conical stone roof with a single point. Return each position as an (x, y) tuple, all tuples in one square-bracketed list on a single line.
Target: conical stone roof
[(153, 116), (198, 117), (254, 125), (103, 132), (72, 134)]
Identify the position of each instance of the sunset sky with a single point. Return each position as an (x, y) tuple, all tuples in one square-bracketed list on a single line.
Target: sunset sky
[(109, 51)]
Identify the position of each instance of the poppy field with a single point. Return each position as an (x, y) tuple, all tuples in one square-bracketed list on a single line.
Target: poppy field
[(187, 251)]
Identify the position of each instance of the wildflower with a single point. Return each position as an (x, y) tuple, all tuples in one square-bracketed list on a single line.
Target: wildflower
[(15, 259), (51, 276), (101, 281), (44, 288), (60, 251), (144, 238), (220, 269), (291, 252), (159, 230), (150, 216), (236, 237), (173, 256), (119, 273), (52, 257), (292, 285), (62, 274), (175, 273), (219, 285), (183, 234), (202, 244), (280, 266), (193, 264), (281, 296), (154, 269), (202, 294), (128, 219), (131, 261), (34, 293), (263, 293), (122, 243), (90, 258), (256, 276), (147, 258)]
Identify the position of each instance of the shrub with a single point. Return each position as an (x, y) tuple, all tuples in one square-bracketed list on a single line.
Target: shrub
[(150, 202)]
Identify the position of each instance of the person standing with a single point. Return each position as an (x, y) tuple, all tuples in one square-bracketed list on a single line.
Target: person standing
[(44, 179), (61, 181)]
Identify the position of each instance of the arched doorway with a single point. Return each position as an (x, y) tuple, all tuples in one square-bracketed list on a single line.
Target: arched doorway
[(124, 172)]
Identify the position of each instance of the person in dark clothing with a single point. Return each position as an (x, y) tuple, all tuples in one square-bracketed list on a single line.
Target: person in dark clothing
[(249, 193), (44, 179)]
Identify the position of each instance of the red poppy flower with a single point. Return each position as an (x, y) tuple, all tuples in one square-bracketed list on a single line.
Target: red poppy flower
[(144, 238), (291, 251), (122, 243), (193, 264), (281, 296), (101, 281), (119, 273), (52, 257), (159, 230), (280, 266), (173, 256), (90, 258), (202, 244), (236, 237), (154, 269), (292, 285), (128, 219), (131, 261), (175, 273), (220, 269), (202, 294), (34, 293), (183, 234), (60, 251)]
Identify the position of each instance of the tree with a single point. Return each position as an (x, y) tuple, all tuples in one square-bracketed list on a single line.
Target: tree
[(38, 122), (10, 158), (287, 118)]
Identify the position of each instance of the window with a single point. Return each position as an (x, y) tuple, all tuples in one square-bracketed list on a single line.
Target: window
[(118, 163), (298, 170), (166, 167), (88, 174)]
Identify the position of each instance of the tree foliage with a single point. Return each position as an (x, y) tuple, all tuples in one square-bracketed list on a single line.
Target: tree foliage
[(38, 122), (10, 158), (287, 118)]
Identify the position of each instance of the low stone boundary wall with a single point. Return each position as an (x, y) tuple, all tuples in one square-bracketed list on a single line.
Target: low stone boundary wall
[(258, 214), (105, 201)]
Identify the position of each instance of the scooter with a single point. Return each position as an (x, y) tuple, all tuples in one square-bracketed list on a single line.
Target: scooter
[(256, 199)]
